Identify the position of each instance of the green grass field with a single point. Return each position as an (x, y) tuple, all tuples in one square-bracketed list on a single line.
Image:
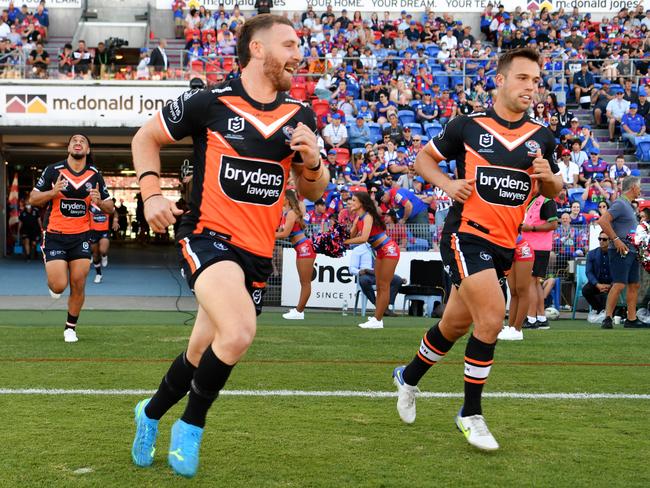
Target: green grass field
[(304, 441)]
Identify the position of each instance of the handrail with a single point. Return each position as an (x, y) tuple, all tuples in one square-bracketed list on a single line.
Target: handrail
[(556, 75), (147, 30)]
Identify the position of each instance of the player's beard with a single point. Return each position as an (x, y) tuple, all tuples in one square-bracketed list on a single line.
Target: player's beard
[(77, 155), (274, 72)]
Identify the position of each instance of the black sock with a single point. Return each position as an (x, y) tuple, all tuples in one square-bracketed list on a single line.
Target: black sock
[(71, 321), (98, 267), (433, 348), (173, 387), (209, 378), (479, 357)]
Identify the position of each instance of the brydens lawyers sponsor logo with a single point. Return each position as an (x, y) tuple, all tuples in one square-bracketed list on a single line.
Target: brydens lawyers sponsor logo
[(73, 208), (251, 181), (25, 104), (502, 186)]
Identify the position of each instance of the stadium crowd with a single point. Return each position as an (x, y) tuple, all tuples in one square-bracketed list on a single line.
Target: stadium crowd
[(381, 86)]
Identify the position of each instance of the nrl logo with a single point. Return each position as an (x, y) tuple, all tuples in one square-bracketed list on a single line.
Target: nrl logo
[(236, 124)]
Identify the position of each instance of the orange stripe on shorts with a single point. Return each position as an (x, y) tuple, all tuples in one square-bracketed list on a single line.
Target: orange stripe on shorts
[(187, 257)]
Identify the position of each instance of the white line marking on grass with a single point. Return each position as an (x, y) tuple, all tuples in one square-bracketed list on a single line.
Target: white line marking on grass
[(83, 470), (339, 393)]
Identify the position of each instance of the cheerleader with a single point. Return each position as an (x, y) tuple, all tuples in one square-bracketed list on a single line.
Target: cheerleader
[(369, 227), (294, 227)]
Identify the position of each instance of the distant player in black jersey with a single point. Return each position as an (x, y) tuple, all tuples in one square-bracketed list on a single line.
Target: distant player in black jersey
[(503, 158), (67, 189), (248, 136)]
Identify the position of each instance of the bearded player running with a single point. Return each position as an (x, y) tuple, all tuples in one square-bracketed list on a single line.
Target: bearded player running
[(248, 135)]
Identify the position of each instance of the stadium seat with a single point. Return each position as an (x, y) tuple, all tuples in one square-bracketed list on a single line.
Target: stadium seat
[(406, 117), (342, 156), (643, 149), (320, 106), (575, 194), (376, 133), (433, 131), (299, 92), (416, 129)]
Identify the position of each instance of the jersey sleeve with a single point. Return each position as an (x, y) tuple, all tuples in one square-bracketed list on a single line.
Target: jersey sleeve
[(549, 152), (548, 211), (47, 179), (183, 117), (307, 117), (449, 142), (103, 189)]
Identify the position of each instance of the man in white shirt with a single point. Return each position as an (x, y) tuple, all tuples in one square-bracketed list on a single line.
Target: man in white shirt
[(615, 109), (578, 156), (335, 58), (362, 265), (4, 29), (335, 134), (450, 39), (569, 170), (368, 60)]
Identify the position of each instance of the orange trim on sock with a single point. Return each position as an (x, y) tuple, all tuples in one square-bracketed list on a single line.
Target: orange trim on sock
[(428, 361), (479, 363), (439, 353)]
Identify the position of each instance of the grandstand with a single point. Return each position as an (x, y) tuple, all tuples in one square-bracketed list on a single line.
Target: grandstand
[(425, 67)]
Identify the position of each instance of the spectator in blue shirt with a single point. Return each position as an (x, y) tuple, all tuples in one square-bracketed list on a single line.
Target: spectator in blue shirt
[(583, 84), (427, 110), (358, 133), (632, 125), (356, 172), (599, 279), (413, 210), (364, 111), (594, 168)]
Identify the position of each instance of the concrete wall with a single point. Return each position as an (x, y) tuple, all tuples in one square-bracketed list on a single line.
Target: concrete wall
[(93, 32), (63, 22)]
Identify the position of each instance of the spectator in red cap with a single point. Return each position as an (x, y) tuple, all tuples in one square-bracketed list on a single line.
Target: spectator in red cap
[(569, 170)]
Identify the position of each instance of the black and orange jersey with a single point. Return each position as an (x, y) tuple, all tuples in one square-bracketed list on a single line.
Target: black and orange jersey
[(242, 161), (98, 218), (68, 212), (499, 154)]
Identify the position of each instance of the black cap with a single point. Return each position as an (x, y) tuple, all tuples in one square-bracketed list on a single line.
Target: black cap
[(197, 83)]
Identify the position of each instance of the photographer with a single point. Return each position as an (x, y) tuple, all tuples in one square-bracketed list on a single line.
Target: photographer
[(103, 61)]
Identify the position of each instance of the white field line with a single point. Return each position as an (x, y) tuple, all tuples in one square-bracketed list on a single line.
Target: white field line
[(339, 393)]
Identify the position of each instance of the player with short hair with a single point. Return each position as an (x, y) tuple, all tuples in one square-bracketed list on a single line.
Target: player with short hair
[(248, 135), (503, 157), (69, 188)]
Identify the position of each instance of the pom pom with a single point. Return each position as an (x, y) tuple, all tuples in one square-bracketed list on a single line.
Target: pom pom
[(330, 243)]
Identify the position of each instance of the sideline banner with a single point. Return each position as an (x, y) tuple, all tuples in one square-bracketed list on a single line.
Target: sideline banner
[(332, 283), (83, 105), (50, 4), (417, 6)]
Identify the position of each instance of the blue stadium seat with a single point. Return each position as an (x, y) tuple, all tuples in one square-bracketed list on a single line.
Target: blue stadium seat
[(575, 194), (433, 123), (376, 133), (406, 117), (643, 148), (415, 104), (416, 129), (433, 130)]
